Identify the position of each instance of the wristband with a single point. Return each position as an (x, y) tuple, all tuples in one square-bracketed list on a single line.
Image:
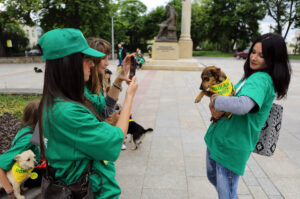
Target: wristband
[(117, 86)]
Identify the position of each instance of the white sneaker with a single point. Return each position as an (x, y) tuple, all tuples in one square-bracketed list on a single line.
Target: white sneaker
[(123, 147)]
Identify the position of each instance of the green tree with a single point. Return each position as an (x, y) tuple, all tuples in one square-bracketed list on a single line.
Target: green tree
[(151, 22), (92, 17), (225, 22), (16, 12), (285, 13), (131, 15)]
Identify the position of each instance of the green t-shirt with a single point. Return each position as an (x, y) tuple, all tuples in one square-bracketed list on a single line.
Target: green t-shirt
[(23, 144), (97, 100), (230, 142), (73, 136), (140, 60)]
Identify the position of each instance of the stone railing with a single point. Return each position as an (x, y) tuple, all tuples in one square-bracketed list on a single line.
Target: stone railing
[(15, 60)]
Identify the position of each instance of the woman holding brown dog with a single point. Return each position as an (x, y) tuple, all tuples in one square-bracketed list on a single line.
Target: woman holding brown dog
[(73, 135), (267, 73)]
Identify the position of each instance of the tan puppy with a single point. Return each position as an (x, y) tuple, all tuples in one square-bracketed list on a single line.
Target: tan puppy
[(21, 170), (214, 81)]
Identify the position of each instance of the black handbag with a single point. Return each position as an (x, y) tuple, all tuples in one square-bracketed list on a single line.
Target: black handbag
[(52, 188), (57, 189)]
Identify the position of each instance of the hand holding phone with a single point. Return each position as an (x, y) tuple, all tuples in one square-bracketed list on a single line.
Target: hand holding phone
[(132, 67)]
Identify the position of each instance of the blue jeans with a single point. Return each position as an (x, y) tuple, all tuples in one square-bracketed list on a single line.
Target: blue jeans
[(120, 61), (224, 180)]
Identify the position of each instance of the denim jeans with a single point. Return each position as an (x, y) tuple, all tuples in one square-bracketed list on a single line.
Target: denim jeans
[(224, 180), (120, 61)]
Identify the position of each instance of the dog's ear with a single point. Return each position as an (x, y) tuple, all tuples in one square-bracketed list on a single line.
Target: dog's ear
[(17, 158), (215, 72)]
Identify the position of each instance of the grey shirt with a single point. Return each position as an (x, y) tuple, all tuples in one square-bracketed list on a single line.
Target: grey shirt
[(236, 105)]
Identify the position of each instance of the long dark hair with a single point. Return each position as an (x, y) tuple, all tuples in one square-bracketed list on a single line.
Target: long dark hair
[(278, 66), (63, 79)]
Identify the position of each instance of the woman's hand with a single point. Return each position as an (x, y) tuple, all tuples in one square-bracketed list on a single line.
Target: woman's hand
[(123, 75), (113, 118), (214, 113), (132, 87)]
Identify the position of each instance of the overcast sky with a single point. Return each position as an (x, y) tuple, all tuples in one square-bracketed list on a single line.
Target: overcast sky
[(264, 24)]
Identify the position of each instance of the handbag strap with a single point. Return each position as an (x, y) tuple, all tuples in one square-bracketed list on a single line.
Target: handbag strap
[(240, 86), (29, 132)]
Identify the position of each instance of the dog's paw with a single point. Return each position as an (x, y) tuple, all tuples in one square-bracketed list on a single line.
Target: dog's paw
[(20, 197), (134, 148), (197, 100)]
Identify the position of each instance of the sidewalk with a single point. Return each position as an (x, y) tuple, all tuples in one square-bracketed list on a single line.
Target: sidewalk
[(170, 163)]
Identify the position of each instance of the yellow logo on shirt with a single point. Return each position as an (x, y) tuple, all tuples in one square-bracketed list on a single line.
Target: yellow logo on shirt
[(225, 88), (19, 173)]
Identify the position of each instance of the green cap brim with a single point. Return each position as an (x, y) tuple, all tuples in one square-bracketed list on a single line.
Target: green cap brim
[(93, 53)]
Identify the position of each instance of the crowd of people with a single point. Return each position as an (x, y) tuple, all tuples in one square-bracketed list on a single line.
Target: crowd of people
[(81, 132)]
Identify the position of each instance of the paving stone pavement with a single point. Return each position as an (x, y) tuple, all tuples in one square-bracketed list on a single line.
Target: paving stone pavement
[(170, 163)]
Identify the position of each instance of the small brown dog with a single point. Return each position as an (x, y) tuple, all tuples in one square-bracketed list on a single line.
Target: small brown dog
[(214, 81)]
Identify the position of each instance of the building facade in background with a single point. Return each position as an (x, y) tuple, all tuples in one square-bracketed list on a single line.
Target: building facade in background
[(32, 35)]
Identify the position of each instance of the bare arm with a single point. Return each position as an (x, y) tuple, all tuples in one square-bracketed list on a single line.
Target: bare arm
[(126, 109), (5, 182), (123, 76)]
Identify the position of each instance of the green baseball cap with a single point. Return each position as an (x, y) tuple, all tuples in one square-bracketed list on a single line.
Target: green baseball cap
[(59, 43)]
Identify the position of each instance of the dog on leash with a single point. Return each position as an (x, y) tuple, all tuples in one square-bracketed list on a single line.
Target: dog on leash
[(137, 133), (21, 171), (214, 81)]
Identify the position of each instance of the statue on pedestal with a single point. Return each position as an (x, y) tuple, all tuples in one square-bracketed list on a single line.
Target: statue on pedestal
[(167, 29)]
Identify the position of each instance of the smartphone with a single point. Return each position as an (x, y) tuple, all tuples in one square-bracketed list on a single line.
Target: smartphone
[(132, 67)]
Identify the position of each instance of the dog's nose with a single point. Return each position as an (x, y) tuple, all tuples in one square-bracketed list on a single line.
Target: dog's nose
[(201, 88)]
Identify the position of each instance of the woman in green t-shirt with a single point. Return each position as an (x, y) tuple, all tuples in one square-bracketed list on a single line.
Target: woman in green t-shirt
[(72, 133), (231, 140), (94, 88)]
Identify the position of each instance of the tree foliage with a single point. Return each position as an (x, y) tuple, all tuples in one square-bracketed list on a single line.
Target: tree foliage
[(16, 12), (131, 19), (90, 16), (285, 13), (218, 24), (226, 22)]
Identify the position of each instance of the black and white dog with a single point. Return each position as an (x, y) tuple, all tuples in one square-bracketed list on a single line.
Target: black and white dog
[(137, 133)]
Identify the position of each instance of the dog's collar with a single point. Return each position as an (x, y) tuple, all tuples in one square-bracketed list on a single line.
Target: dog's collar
[(225, 88), (19, 173)]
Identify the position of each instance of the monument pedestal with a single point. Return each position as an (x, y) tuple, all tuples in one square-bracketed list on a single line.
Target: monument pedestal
[(165, 56), (185, 49), (165, 51)]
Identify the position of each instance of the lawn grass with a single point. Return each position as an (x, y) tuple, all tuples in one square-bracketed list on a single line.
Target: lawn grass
[(214, 53), (15, 104), (296, 57)]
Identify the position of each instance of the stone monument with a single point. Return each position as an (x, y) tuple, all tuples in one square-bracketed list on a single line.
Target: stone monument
[(167, 53), (167, 29), (165, 46)]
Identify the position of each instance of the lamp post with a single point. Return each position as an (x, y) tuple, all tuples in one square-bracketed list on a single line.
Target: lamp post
[(112, 38)]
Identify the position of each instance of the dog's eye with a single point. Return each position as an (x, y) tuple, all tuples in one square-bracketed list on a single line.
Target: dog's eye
[(206, 79), (28, 159)]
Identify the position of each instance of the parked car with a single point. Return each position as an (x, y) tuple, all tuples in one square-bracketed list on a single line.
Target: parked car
[(34, 52), (243, 54)]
